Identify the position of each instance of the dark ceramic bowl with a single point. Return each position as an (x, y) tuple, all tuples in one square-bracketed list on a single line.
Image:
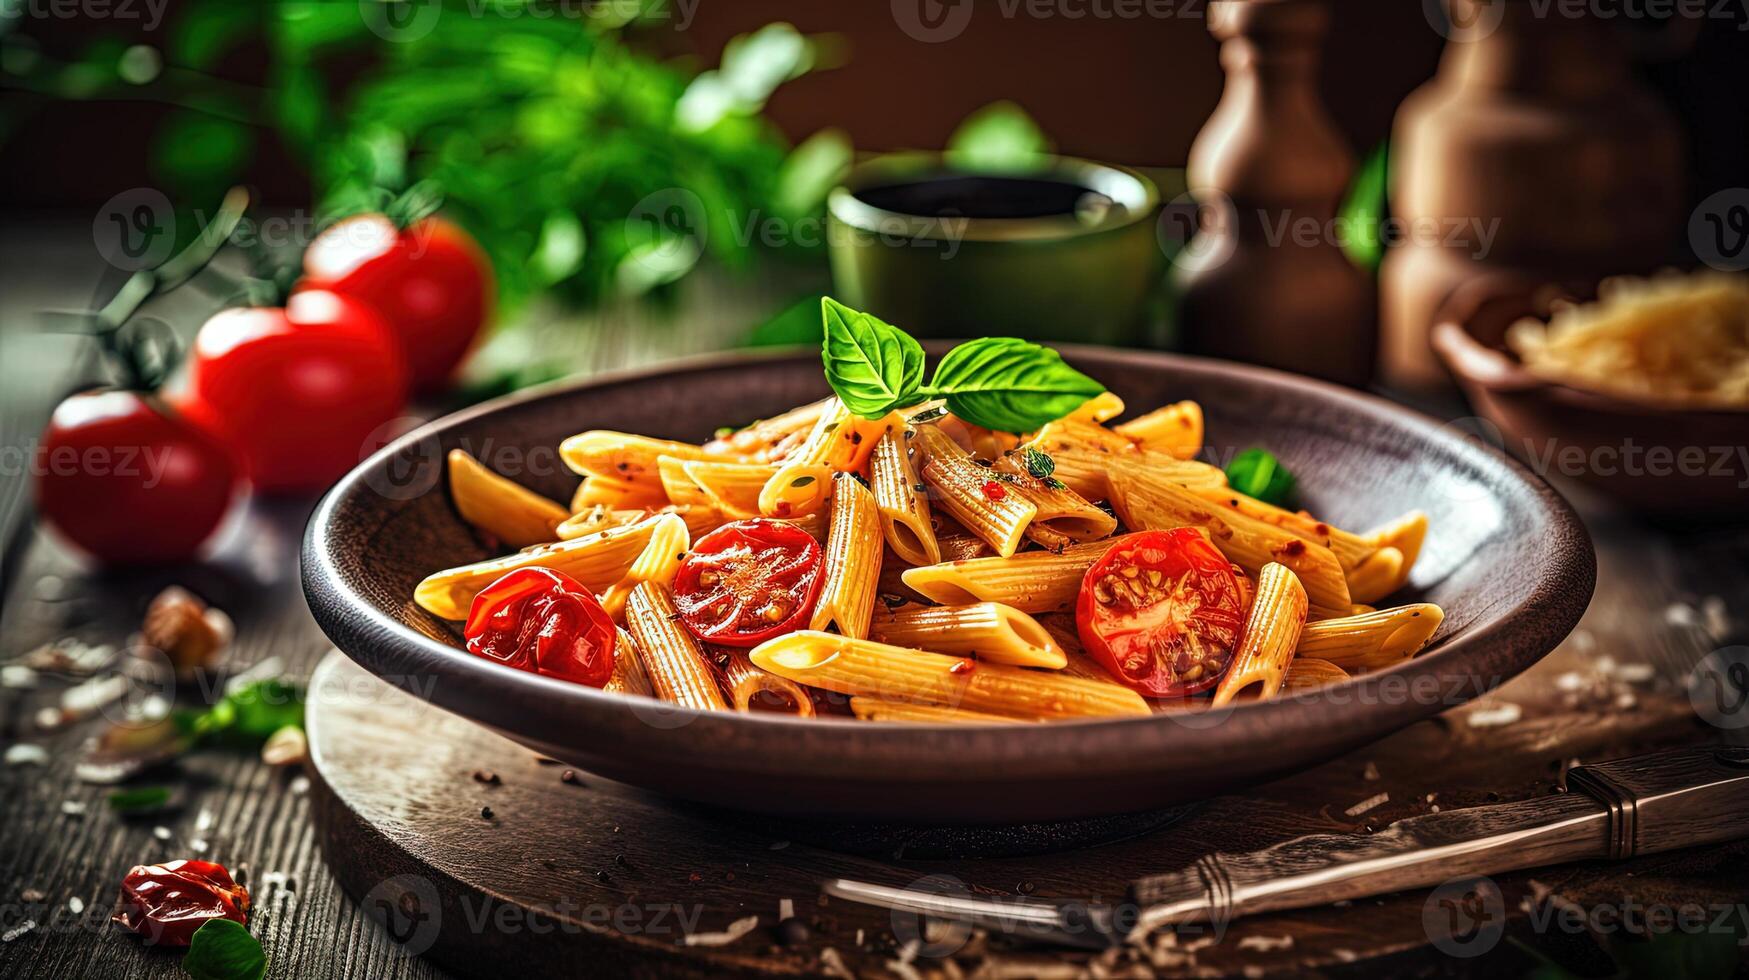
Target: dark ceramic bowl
[(1505, 557), (1662, 461)]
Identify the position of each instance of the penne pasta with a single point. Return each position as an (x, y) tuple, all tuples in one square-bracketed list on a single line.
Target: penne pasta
[(840, 441), (751, 689), (769, 439), (1175, 430), (600, 517), (869, 669), (1373, 640), (1151, 501), (1406, 534), (501, 507), (874, 709), (1306, 674), (628, 669), (618, 494), (1351, 550), (1032, 582), (672, 659), (1063, 516), (623, 457), (971, 494), (1089, 473), (596, 561), (901, 499), (1267, 642), (1377, 576), (657, 563), (987, 630), (1101, 407), (852, 564), (732, 488)]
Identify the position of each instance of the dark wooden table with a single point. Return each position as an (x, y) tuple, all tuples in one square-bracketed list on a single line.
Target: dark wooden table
[(1664, 601)]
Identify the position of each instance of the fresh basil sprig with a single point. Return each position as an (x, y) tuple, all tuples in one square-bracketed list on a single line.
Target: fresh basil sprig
[(1001, 383), (224, 950)]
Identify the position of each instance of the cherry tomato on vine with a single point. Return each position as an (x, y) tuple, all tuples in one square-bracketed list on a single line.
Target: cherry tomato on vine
[(167, 902), (296, 391), (430, 281), (129, 481), (545, 622), (1161, 610), (749, 581)]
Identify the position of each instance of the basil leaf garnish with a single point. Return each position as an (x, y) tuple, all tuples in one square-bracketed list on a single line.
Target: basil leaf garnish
[(873, 366), (1009, 385), (223, 950), (1257, 473)]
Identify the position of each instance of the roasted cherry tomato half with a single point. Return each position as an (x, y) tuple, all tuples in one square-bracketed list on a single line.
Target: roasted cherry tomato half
[(749, 581), (430, 281), (130, 481), (1161, 610), (166, 903), (544, 622)]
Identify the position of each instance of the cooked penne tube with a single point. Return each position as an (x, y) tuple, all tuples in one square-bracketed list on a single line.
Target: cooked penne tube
[(1032, 582), (1376, 577), (988, 630), (840, 441), (1150, 501), (1351, 550), (1267, 642), (732, 488), (1175, 429), (1305, 674), (852, 563), (769, 439), (1374, 640), (901, 499), (869, 669), (1406, 534), (1088, 473), (616, 493), (971, 494), (1101, 407), (1070, 435), (501, 507), (600, 517), (657, 563), (874, 709), (680, 489), (959, 544), (676, 666), (751, 689), (1063, 516), (622, 456), (628, 669), (596, 561)]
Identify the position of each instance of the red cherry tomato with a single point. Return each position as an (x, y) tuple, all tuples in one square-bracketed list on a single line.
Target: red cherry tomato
[(749, 581), (296, 391), (130, 482), (544, 622), (430, 281), (1161, 610), (166, 903)]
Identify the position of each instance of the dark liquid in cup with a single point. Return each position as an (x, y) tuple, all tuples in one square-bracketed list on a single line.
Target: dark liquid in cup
[(958, 196)]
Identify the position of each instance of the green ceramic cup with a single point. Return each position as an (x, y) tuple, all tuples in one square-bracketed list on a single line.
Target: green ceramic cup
[(1065, 250)]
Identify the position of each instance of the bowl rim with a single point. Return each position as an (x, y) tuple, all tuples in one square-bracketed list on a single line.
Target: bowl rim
[(1510, 643)]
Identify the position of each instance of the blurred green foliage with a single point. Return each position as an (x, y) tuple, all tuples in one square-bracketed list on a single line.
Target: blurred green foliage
[(555, 138)]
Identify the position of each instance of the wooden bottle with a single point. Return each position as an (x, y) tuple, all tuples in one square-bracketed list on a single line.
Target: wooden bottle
[(1265, 280), (1533, 152)]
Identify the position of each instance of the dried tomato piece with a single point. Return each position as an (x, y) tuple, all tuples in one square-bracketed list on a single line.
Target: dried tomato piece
[(545, 622), (167, 902)]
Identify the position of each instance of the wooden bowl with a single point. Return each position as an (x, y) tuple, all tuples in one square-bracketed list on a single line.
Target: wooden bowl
[(1505, 557), (1661, 461)]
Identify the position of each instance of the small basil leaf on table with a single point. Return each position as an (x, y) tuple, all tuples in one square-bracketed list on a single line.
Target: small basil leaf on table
[(1257, 473), (1009, 385), (224, 950), (873, 366), (143, 799)]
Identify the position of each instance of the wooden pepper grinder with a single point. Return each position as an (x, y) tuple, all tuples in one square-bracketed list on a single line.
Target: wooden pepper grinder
[(1265, 279)]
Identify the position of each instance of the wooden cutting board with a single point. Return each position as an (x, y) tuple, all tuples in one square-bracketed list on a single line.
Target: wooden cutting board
[(476, 853)]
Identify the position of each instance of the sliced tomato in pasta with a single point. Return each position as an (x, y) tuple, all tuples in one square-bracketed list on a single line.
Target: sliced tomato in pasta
[(1161, 611), (748, 581)]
